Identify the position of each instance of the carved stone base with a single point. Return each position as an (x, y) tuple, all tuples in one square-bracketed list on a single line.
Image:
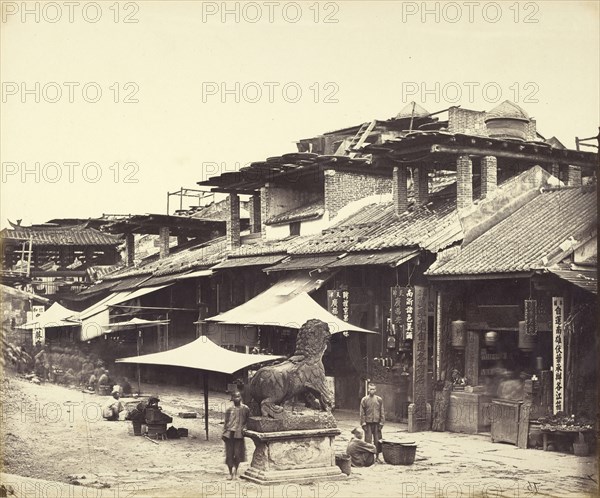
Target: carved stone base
[(293, 421), (418, 425), (299, 456)]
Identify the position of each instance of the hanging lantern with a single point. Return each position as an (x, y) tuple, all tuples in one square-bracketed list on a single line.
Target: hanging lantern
[(531, 316), (459, 334), (526, 341), (491, 338)]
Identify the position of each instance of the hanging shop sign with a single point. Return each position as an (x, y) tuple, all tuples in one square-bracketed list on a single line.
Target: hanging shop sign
[(338, 303), (459, 334), (558, 352), (531, 326), (403, 311), (526, 341)]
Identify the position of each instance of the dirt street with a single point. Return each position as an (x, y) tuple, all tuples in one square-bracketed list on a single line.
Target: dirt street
[(57, 434)]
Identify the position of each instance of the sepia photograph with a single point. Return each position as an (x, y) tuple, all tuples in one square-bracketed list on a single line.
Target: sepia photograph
[(299, 249)]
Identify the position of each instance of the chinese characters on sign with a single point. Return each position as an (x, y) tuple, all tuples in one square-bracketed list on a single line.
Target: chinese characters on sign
[(531, 327), (338, 303), (403, 310), (38, 333), (558, 352)]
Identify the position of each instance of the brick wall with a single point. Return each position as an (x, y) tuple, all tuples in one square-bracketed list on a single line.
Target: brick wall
[(466, 121), (489, 173), (342, 188), (254, 210), (163, 241), (464, 182), (400, 190), (233, 221)]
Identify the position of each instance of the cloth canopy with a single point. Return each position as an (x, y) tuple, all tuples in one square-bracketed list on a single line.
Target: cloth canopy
[(55, 316), (202, 354), (136, 323), (290, 311)]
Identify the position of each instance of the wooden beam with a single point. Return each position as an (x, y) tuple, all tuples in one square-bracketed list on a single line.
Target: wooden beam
[(539, 158)]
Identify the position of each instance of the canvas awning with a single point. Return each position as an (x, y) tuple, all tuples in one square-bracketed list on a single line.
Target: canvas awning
[(202, 354), (281, 291), (95, 319), (55, 316), (286, 311), (136, 323)]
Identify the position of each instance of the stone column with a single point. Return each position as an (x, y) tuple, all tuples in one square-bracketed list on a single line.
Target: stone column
[(233, 222), (464, 182), (489, 173), (421, 185), (163, 241), (400, 190)]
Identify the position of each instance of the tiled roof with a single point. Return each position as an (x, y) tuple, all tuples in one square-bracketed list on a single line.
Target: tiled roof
[(376, 227), (532, 237), (73, 236), (306, 212)]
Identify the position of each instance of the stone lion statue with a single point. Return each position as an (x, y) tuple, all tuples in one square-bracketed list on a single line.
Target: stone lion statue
[(300, 375)]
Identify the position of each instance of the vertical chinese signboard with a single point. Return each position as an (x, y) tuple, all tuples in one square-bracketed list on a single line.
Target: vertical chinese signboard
[(338, 303), (419, 360), (403, 311), (558, 352), (38, 333)]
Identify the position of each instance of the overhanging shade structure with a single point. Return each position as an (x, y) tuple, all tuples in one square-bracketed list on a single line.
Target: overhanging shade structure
[(96, 317), (135, 323), (55, 316), (285, 311), (202, 354)]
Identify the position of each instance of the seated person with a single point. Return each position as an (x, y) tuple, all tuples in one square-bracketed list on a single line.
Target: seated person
[(113, 407), (361, 453)]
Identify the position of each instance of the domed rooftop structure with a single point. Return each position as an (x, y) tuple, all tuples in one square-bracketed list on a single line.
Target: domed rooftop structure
[(507, 121), (507, 110), (408, 112)]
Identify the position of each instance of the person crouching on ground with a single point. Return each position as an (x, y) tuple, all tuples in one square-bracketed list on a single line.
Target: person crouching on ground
[(113, 407), (372, 418), (236, 417), (360, 452)]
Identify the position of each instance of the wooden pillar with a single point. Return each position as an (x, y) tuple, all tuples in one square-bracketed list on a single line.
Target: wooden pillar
[(419, 411), (472, 358)]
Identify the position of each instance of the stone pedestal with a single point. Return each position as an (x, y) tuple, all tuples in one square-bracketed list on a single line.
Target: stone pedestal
[(416, 422), (299, 456)]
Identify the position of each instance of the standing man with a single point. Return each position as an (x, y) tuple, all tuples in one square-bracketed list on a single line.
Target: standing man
[(236, 418), (372, 417)]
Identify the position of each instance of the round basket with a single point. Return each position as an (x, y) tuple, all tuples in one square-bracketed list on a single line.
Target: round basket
[(398, 453), (344, 463)]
